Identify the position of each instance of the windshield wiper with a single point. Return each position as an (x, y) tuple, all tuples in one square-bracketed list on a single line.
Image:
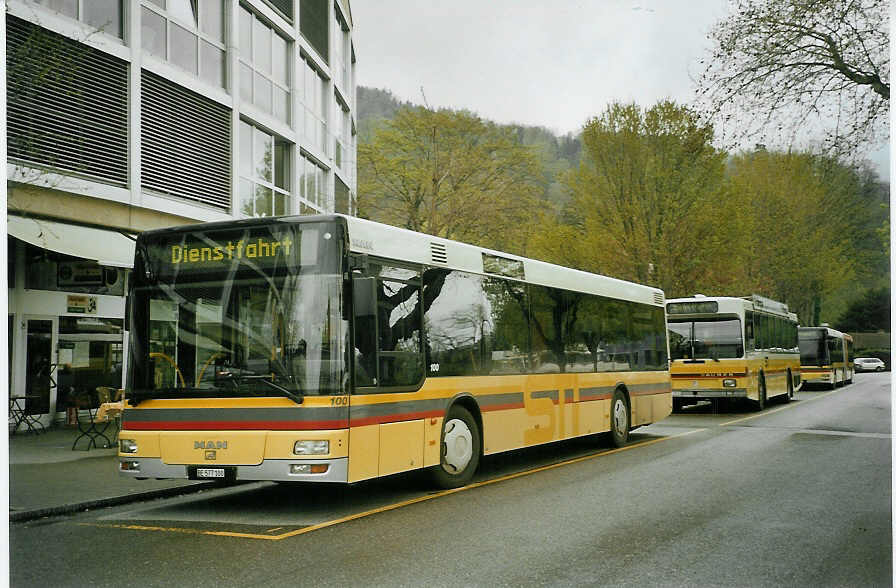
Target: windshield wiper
[(264, 379)]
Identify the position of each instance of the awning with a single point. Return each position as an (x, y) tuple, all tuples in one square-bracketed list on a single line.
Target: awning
[(105, 247)]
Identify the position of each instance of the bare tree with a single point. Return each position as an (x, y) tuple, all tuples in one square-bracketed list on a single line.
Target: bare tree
[(792, 66)]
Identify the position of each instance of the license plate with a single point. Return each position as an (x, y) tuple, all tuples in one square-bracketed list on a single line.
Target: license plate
[(209, 472)]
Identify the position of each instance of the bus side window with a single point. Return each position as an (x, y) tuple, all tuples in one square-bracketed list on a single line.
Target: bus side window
[(364, 303), (748, 331), (388, 321)]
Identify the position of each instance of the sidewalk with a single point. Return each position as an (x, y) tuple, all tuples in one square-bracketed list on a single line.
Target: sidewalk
[(47, 478)]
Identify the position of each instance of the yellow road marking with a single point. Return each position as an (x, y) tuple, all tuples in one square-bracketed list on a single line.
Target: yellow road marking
[(395, 506), (780, 408)]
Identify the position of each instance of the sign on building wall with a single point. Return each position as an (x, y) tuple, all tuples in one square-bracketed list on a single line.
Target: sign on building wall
[(81, 304), (80, 274)]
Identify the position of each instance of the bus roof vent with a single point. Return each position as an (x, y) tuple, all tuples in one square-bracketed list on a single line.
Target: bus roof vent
[(438, 252), (659, 298)]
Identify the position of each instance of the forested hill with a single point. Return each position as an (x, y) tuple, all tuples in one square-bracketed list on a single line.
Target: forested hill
[(558, 153)]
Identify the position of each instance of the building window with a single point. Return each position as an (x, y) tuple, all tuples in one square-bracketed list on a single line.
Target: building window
[(313, 184), (264, 66), (315, 98), (340, 52), (188, 34), (341, 136), (284, 7), (104, 15), (264, 173), (342, 197), (313, 24)]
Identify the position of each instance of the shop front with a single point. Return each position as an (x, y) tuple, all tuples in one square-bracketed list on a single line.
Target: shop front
[(66, 315)]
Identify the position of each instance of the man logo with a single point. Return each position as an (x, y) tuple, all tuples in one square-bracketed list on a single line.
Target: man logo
[(209, 444)]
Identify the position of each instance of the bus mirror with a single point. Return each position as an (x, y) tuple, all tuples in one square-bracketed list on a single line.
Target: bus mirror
[(359, 262), (364, 297)]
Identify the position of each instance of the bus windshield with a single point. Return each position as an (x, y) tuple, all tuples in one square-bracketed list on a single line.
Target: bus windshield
[(813, 351), (706, 338), (253, 310)]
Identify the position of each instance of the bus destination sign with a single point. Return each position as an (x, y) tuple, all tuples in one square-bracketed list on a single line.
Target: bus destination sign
[(702, 307), (260, 248)]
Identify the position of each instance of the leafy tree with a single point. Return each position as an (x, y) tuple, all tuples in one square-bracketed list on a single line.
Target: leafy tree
[(868, 314), (450, 174), (645, 201), (796, 63), (795, 231)]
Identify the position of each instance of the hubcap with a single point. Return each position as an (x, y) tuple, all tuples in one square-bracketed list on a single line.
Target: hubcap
[(457, 447), (620, 417)]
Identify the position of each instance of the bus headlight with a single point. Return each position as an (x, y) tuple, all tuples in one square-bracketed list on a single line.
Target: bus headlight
[(729, 383), (311, 448), (127, 446), (130, 466)]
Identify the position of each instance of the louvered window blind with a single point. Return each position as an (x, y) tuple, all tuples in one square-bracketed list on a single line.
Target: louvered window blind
[(185, 143), (67, 104)]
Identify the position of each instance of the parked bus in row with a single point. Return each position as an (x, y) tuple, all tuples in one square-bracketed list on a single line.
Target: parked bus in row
[(826, 356), (732, 348), (334, 349)]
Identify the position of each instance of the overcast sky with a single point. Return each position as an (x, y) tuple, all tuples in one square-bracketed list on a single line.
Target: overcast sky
[(554, 64)]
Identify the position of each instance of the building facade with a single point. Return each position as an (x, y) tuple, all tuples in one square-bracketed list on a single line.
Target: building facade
[(129, 115)]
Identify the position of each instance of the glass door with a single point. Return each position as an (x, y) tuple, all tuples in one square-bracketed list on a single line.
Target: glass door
[(40, 363)]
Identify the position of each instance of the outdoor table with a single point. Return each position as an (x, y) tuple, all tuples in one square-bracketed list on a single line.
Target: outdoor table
[(90, 428), (110, 411), (18, 415)]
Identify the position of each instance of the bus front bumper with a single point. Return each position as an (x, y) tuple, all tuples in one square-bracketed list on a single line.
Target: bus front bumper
[(711, 393), (278, 470)]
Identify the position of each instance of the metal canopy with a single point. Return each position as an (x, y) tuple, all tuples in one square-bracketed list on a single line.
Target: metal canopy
[(108, 248)]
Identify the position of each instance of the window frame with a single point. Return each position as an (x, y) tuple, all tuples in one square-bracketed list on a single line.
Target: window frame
[(248, 59), (421, 354), (286, 193), (79, 16), (199, 35)]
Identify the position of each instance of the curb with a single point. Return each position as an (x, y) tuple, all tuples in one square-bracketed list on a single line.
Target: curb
[(52, 511)]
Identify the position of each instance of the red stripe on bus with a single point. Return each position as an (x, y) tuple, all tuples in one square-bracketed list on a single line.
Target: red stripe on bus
[(593, 398), (650, 392), (692, 376), (396, 418), (509, 406)]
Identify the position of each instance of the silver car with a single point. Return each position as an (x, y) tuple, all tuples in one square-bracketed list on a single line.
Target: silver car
[(869, 364)]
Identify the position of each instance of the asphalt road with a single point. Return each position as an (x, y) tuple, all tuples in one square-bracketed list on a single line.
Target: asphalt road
[(798, 495)]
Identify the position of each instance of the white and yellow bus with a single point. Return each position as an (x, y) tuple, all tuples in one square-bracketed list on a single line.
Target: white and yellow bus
[(728, 348), (334, 349), (826, 356)]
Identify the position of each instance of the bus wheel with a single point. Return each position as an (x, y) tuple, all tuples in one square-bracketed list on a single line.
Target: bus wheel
[(760, 404), (461, 443), (677, 404), (789, 396), (620, 421)]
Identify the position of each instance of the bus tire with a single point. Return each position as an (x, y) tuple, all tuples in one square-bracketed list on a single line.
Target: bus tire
[(677, 404), (760, 404), (789, 396), (620, 418), (461, 446)]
